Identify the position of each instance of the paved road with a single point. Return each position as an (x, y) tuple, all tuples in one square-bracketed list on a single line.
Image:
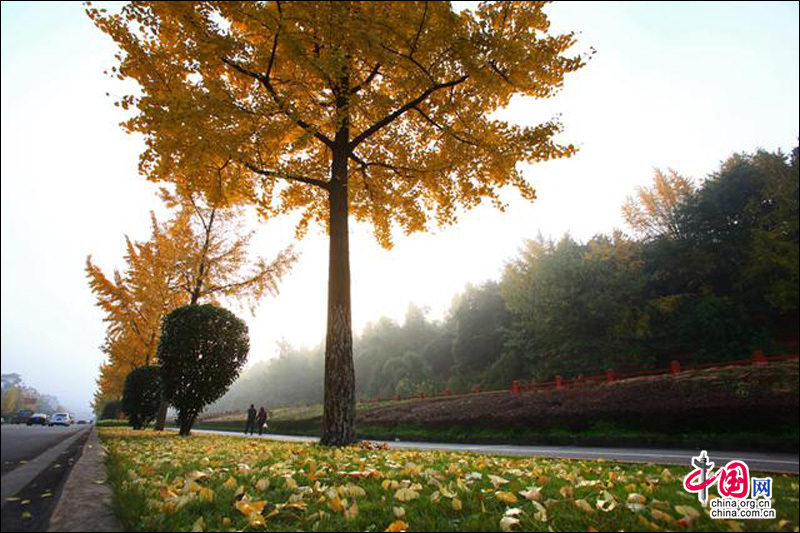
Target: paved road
[(759, 462), (23, 443)]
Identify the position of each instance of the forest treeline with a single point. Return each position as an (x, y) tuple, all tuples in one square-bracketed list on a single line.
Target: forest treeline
[(706, 272)]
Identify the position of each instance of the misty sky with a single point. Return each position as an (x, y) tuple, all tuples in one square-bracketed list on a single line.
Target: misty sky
[(672, 85)]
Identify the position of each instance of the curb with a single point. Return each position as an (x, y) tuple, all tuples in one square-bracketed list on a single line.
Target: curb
[(17, 479), (85, 503)]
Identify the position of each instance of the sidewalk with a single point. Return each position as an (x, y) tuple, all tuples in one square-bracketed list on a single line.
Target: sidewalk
[(85, 503)]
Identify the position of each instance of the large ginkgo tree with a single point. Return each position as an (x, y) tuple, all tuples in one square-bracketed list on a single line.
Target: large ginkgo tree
[(382, 110)]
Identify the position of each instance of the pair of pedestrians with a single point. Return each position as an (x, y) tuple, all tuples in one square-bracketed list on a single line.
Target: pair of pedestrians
[(255, 420)]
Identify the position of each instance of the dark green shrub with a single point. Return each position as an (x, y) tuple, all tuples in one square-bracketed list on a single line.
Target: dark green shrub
[(202, 350), (142, 395), (111, 411)]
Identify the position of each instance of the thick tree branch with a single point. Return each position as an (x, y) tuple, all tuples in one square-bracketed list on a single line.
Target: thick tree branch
[(394, 115), (288, 176), (368, 79)]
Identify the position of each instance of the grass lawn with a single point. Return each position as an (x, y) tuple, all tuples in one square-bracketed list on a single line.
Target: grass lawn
[(163, 482)]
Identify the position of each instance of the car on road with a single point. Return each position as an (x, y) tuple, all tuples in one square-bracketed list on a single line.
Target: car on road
[(60, 419), (38, 419)]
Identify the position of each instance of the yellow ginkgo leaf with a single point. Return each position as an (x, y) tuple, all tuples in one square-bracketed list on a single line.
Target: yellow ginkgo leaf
[(497, 480), (406, 494), (206, 494), (397, 525), (199, 525), (541, 511), (505, 496), (455, 503), (352, 512)]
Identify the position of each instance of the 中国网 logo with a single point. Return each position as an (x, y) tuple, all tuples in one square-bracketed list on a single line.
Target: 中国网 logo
[(740, 495)]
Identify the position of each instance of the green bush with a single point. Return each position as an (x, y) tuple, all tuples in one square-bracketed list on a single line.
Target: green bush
[(142, 395), (112, 423), (202, 350), (111, 411)]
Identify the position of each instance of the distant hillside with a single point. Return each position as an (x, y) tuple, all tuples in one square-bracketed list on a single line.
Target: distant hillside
[(751, 407)]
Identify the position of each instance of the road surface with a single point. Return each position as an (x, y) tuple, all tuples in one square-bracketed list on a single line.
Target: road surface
[(23, 443), (758, 462)]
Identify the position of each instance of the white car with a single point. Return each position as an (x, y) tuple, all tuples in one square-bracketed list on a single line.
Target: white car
[(60, 419)]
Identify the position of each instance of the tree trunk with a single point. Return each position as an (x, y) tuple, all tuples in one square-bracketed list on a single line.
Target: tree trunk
[(339, 412), (161, 418), (186, 424)]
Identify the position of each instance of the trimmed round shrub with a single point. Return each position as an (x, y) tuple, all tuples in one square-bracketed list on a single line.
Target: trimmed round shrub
[(111, 410), (142, 395), (201, 351)]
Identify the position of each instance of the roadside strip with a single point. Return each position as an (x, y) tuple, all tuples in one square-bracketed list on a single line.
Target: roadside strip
[(15, 480), (85, 503), (775, 462)]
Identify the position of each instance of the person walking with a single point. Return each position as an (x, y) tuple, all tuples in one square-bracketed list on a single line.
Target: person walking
[(261, 419), (251, 420)]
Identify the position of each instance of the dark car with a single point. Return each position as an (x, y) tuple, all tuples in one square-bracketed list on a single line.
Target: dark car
[(22, 417), (38, 419)]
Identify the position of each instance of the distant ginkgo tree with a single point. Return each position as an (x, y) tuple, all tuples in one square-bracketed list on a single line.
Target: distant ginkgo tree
[(201, 255), (380, 110)]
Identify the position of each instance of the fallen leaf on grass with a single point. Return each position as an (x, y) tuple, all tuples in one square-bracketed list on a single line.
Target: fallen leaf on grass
[(397, 525), (541, 511), (455, 503), (506, 523), (505, 497), (607, 503), (405, 494), (636, 502), (584, 506), (533, 493), (662, 516), (199, 525), (497, 480), (690, 515), (352, 512), (205, 495)]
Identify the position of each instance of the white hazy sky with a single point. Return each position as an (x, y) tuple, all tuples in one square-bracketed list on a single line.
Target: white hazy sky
[(682, 85)]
